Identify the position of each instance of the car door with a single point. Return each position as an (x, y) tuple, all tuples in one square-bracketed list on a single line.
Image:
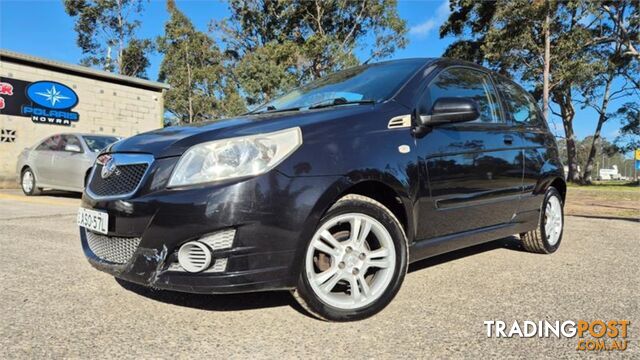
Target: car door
[(473, 169), (41, 159), (536, 141), (69, 166)]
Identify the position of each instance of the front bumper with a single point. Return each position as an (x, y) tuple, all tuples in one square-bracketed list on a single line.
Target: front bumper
[(271, 214)]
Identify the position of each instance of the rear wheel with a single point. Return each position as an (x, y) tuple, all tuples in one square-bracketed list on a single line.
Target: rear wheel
[(28, 183), (355, 262), (546, 238)]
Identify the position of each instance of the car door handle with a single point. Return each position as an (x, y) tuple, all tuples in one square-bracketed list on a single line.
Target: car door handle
[(508, 139)]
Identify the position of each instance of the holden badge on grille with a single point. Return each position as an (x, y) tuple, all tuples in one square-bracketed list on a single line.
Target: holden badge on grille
[(118, 175), (109, 168)]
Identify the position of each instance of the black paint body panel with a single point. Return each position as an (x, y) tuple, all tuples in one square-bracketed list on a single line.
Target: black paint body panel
[(459, 185)]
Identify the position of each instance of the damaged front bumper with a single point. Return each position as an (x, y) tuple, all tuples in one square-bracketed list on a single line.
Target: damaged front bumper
[(159, 269), (269, 217)]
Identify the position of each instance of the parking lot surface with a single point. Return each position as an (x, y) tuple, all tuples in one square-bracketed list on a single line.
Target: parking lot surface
[(54, 304)]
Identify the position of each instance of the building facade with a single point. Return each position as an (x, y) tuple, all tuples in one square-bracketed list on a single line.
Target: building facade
[(40, 98)]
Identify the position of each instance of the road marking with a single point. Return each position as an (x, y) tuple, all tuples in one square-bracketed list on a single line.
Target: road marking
[(36, 200)]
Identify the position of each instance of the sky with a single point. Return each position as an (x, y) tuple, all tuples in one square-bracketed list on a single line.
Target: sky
[(42, 28)]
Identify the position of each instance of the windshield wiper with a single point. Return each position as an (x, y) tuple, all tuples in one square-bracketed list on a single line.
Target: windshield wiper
[(272, 109), (322, 104), (339, 101)]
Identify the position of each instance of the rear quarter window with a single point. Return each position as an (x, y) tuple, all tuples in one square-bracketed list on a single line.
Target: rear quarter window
[(53, 143), (521, 106)]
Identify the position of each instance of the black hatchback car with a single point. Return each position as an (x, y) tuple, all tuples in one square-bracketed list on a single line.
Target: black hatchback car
[(331, 190)]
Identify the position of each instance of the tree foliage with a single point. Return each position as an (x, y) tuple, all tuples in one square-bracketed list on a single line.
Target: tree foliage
[(470, 21), (629, 134), (276, 44), (106, 35), (607, 155), (618, 65), (194, 67)]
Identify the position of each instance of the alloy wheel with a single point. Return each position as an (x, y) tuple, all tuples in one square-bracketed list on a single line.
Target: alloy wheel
[(553, 220), (350, 261), (27, 181)]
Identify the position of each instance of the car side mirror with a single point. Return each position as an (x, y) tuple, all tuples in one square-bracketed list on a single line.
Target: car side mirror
[(72, 148), (451, 110)]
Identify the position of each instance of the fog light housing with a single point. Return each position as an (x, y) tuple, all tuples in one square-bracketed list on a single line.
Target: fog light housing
[(194, 256)]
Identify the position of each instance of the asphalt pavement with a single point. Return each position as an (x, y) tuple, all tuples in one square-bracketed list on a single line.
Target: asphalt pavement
[(54, 304)]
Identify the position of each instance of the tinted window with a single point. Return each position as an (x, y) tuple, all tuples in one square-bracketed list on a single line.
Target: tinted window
[(54, 143), (45, 145), (368, 82), (520, 104), (97, 143), (468, 83)]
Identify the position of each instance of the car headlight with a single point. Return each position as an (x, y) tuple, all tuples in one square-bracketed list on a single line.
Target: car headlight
[(235, 157)]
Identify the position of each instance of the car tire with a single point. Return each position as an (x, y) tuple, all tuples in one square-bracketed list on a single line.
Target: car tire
[(338, 259), (28, 183), (546, 238)]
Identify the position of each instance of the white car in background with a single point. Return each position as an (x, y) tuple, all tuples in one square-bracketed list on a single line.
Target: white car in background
[(610, 174), (60, 162)]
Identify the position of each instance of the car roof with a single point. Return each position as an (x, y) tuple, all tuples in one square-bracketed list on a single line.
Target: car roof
[(440, 60), (80, 134), (103, 135), (413, 60)]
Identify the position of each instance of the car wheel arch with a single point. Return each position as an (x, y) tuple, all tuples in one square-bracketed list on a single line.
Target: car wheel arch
[(24, 168), (369, 187), (560, 185), (385, 194), (556, 181), (87, 176), (388, 192)]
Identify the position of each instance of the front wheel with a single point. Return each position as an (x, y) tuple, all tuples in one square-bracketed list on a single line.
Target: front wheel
[(546, 238), (28, 183), (355, 262)]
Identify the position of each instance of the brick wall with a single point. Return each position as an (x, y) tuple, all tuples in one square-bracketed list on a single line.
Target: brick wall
[(105, 108)]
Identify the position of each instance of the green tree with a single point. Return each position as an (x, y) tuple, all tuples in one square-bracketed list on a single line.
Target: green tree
[(275, 44), (193, 65), (629, 134), (606, 155), (135, 59), (618, 66), (105, 27)]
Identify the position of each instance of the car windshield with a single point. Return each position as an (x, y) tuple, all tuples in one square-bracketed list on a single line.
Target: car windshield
[(360, 84), (97, 143)]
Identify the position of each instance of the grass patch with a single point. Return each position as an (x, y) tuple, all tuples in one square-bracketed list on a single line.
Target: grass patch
[(612, 185), (617, 199)]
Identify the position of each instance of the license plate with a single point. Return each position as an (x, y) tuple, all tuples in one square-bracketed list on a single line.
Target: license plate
[(93, 220)]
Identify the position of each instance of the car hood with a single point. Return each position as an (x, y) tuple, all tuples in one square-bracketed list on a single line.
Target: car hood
[(173, 141)]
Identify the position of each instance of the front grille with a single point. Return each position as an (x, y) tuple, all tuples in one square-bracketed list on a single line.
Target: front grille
[(124, 180), (111, 248)]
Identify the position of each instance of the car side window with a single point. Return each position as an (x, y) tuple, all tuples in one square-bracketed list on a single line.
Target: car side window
[(45, 145), (519, 103), (468, 83), (54, 143), (71, 140)]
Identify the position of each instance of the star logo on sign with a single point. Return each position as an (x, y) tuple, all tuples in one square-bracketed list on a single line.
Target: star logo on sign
[(53, 95)]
